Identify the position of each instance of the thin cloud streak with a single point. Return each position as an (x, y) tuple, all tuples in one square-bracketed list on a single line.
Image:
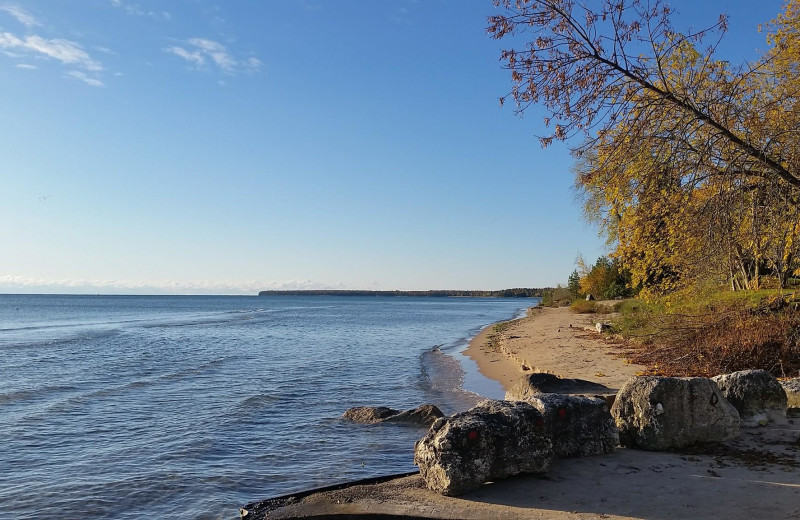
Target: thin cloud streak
[(26, 284), (137, 10), (200, 52), (65, 51), (82, 76), (21, 15)]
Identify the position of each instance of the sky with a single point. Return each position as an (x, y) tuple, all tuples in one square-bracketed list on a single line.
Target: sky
[(209, 147)]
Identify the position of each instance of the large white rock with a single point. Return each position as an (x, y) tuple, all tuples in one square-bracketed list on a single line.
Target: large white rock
[(491, 441), (659, 413), (756, 394)]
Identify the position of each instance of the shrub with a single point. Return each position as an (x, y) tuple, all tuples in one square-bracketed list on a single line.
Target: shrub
[(583, 306), (715, 334)]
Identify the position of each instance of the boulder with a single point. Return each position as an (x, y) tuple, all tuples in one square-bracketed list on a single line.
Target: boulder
[(423, 415), (792, 389), (756, 394), (581, 426), (491, 441), (369, 414), (540, 382), (659, 413)]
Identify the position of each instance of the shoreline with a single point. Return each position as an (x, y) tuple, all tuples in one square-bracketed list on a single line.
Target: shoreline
[(553, 340), (758, 474)]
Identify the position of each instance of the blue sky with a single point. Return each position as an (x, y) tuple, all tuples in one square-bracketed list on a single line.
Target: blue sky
[(198, 146)]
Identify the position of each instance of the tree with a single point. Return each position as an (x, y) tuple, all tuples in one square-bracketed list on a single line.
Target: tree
[(690, 165), (574, 283), (623, 68), (604, 280)]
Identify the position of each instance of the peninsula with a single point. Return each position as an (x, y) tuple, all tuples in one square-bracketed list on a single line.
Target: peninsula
[(504, 293)]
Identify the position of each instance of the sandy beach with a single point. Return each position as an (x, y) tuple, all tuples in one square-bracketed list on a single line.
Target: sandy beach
[(754, 476), (553, 340)]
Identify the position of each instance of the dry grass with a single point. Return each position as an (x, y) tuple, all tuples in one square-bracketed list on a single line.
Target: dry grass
[(725, 337)]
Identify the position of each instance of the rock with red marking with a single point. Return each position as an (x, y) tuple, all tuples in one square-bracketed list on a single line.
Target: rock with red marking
[(581, 426), (493, 440)]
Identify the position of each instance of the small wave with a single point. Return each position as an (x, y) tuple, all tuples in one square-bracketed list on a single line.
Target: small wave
[(23, 395), (252, 406), (443, 375), (76, 401), (257, 401), (44, 341)]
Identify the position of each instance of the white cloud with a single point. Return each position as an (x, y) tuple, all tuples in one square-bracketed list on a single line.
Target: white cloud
[(201, 51), (216, 51), (252, 64), (65, 51), (27, 284), (137, 10), (192, 57), (22, 16), (26, 66), (77, 74)]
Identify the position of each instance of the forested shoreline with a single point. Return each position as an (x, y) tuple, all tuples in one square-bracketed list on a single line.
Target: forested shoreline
[(505, 293)]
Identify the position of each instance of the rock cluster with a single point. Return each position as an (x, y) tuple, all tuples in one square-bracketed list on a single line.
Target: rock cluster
[(423, 415), (493, 440), (540, 421), (756, 394)]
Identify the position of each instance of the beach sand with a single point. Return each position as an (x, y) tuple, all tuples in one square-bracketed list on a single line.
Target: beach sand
[(554, 340), (755, 476)]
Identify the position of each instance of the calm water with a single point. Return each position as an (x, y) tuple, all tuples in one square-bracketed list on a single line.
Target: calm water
[(147, 407)]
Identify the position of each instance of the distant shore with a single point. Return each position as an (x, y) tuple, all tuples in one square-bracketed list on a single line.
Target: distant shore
[(446, 293)]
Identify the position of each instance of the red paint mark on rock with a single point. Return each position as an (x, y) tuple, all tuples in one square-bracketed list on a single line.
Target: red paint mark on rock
[(562, 413), (472, 435)]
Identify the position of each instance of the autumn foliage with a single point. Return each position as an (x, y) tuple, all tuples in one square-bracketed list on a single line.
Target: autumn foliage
[(690, 164)]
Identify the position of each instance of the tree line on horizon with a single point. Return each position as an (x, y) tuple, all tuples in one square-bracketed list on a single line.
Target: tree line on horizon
[(504, 293)]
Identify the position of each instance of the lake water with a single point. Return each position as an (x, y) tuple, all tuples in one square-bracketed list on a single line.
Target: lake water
[(190, 406)]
